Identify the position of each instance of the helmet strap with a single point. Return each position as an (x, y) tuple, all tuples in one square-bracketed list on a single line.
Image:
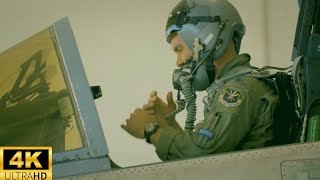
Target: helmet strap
[(210, 68)]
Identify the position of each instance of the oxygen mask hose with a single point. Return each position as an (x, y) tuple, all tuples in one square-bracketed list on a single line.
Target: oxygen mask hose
[(190, 98)]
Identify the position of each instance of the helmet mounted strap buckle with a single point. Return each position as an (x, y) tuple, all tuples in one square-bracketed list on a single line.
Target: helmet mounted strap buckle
[(197, 47)]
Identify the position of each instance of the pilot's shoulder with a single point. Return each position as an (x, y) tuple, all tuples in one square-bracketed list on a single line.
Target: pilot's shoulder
[(252, 85)]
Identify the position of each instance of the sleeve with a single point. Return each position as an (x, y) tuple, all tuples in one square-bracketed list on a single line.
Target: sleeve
[(222, 130)]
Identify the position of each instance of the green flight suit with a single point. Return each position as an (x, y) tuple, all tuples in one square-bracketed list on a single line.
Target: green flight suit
[(238, 115)]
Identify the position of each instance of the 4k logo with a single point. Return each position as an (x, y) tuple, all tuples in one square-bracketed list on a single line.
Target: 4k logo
[(26, 163), (25, 159)]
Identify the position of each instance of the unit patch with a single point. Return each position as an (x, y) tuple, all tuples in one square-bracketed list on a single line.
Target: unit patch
[(230, 97)]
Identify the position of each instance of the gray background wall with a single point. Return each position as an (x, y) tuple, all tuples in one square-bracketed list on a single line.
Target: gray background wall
[(123, 49)]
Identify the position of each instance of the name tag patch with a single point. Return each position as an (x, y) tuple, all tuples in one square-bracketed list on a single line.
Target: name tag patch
[(206, 133)]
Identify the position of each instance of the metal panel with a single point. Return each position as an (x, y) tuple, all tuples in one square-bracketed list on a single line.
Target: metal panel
[(263, 164), (81, 167)]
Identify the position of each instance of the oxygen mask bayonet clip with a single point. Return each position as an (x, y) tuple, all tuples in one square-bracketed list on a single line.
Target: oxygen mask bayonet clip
[(181, 106)]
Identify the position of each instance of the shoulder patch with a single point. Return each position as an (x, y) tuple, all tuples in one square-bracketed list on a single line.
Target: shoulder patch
[(230, 97)]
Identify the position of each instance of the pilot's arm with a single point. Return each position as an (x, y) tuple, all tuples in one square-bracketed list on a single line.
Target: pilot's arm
[(227, 127)]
